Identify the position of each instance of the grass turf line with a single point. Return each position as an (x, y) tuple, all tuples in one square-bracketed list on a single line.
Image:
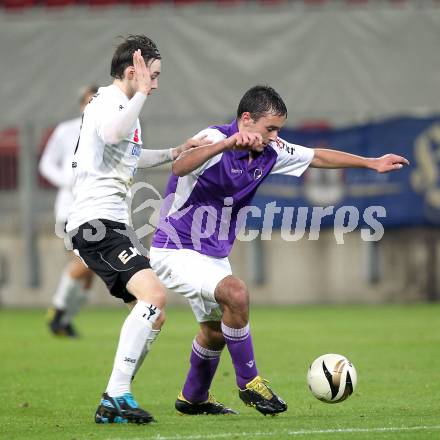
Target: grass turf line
[(50, 387)]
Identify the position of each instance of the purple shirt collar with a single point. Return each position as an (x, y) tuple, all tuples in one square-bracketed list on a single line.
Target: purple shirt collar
[(227, 129)]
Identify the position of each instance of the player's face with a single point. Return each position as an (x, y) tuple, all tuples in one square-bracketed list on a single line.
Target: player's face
[(268, 126), (155, 67)]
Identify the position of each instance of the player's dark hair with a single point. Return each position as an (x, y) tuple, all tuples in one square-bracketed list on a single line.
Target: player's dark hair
[(123, 56), (261, 100)]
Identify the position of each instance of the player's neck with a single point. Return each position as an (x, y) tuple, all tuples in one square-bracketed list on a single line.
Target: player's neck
[(124, 87)]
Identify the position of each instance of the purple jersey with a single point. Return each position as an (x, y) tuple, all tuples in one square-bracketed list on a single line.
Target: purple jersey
[(205, 209)]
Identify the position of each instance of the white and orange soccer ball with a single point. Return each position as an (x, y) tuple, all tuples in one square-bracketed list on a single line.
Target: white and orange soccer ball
[(332, 378)]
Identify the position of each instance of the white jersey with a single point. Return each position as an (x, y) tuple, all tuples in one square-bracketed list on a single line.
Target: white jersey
[(56, 164), (103, 171)]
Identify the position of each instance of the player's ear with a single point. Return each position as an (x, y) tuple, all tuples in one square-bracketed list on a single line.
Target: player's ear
[(129, 72), (246, 119)]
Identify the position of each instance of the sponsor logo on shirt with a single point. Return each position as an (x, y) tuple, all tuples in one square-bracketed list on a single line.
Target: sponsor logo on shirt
[(258, 173), (280, 143), (283, 146), (125, 257), (236, 171), (136, 150), (290, 150), (136, 136)]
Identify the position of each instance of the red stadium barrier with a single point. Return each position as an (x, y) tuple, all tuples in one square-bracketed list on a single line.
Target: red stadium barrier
[(60, 3), (144, 2), (18, 4), (9, 145), (100, 3)]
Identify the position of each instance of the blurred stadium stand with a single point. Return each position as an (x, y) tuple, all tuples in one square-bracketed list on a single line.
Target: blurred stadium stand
[(336, 63), (23, 4)]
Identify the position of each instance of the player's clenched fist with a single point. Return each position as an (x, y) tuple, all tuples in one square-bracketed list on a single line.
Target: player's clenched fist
[(245, 141)]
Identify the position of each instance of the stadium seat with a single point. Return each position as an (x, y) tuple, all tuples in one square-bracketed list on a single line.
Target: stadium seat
[(9, 146), (315, 124), (145, 2), (186, 2), (101, 2), (59, 3), (18, 4)]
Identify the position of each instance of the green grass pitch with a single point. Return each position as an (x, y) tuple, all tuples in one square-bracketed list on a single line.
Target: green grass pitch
[(50, 387)]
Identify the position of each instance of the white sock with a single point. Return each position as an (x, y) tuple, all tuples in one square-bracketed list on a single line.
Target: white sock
[(134, 335), (74, 305), (66, 290), (153, 335)]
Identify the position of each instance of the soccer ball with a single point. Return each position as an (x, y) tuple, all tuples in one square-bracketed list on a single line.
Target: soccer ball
[(332, 378)]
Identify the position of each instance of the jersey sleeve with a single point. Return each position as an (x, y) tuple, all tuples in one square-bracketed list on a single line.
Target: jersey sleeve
[(212, 136), (154, 158), (101, 111), (114, 122), (292, 159)]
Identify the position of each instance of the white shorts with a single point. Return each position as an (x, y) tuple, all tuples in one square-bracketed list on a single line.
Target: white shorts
[(193, 275)]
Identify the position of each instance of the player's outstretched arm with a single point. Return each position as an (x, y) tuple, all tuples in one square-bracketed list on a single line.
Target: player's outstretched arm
[(193, 158), (325, 158), (154, 158)]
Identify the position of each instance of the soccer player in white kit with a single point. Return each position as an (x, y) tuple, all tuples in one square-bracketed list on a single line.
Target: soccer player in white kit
[(56, 166), (213, 187), (108, 152)]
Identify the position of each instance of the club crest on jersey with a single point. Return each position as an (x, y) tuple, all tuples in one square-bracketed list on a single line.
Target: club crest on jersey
[(258, 173)]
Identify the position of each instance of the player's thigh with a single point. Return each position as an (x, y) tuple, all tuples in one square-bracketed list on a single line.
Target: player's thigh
[(192, 275), (146, 286), (78, 270)]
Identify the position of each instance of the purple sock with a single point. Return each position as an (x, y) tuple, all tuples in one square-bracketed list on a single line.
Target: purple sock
[(239, 342), (204, 364)]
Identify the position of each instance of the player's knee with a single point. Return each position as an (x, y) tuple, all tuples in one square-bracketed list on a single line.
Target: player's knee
[(158, 297), (232, 292), (160, 321)]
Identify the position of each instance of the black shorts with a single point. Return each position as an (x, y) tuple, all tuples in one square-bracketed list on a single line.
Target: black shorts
[(112, 251)]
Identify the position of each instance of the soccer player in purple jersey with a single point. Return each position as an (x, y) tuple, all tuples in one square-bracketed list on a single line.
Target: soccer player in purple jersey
[(209, 194)]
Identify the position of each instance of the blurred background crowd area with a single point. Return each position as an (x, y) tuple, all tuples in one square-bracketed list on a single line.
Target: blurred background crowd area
[(22, 4), (358, 75)]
